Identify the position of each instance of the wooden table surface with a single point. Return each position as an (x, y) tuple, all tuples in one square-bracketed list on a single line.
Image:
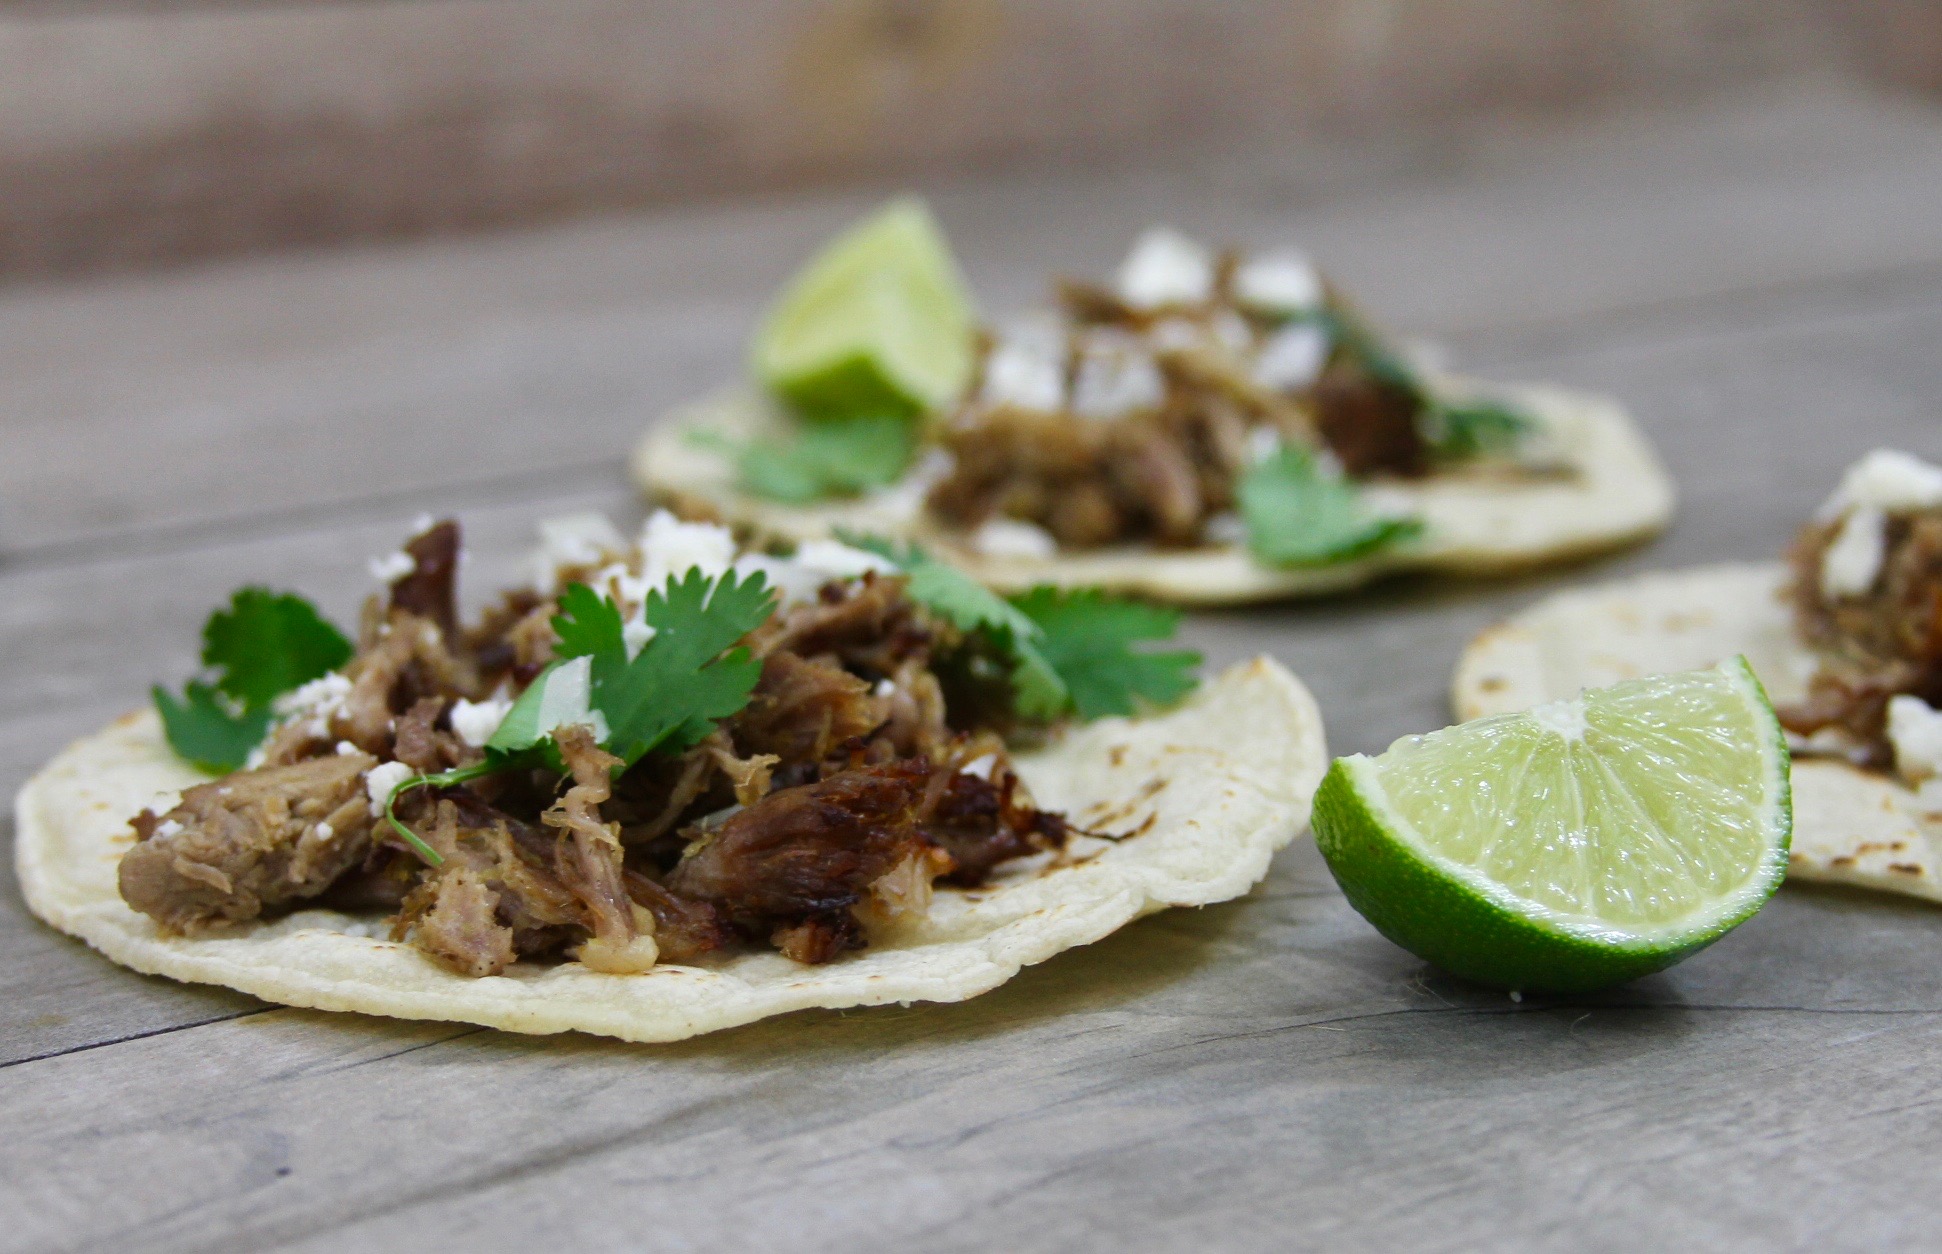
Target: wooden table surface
[(1761, 281)]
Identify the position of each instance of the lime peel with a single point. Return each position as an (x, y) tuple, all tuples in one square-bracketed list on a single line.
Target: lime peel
[(1663, 861)]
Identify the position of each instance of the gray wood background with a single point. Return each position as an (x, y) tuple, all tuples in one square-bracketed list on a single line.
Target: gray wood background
[(1761, 280), (135, 132)]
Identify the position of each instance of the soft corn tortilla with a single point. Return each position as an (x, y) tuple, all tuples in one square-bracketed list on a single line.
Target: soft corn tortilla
[(1200, 796), (1850, 826), (1477, 523)]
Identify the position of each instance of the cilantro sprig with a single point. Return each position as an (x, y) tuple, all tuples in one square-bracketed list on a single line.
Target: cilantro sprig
[(1088, 640), (1455, 430), (823, 457), (1069, 651), (667, 697), (263, 645), (1298, 514)]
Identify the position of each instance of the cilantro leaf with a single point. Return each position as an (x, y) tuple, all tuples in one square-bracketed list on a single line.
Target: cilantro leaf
[(1037, 690), (1297, 515), (1087, 638), (824, 457), (1474, 428), (263, 645), (208, 729), (267, 644), (685, 679)]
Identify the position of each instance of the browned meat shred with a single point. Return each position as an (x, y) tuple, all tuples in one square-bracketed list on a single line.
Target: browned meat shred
[(430, 589), (1158, 475), (249, 842), (830, 804), (809, 853), (1369, 424), (1872, 647)]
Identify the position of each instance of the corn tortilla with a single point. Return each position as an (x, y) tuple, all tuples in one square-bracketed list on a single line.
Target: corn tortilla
[(1201, 796)]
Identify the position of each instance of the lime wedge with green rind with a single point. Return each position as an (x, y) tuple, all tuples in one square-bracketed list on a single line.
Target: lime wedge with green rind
[(1575, 845), (879, 322)]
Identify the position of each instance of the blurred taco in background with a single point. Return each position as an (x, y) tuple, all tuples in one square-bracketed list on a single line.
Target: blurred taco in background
[(1213, 426)]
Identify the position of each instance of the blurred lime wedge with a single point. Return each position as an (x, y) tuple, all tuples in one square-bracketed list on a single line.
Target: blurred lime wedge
[(880, 322), (1574, 845)]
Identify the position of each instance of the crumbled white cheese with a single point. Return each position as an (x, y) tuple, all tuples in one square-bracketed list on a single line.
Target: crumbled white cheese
[(475, 721), (1166, 268), (392, 566), (167, 827), (314, 704), (672, 547), (1263, 443), (1115, 376), (381, 780), (1284, 281), (1915, 730), (566, 699), (1026, 370), (1291, 358), (792, 583), (884, 688), (832, 559), (980, 767), (618, 582), (1010, 537), (1853, 559), (324, 831), (1231, 331), (574, 540), (905, 498), (1172, 335), (1888, 480), (345, 748), (1224, 528), (634, 635)]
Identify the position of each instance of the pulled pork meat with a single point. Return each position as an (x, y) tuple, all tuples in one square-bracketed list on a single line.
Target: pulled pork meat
[(824, 810), (1873, 646), (1166, 466)]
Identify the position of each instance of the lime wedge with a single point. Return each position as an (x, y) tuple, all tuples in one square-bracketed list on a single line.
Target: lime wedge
[(1574, 845), (879, 322)]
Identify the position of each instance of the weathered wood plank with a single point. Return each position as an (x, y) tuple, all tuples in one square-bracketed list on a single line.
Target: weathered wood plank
[(308, 382), (1241, 1076)]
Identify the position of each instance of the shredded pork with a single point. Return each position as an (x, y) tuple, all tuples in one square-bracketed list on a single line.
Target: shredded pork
[(827, 807)]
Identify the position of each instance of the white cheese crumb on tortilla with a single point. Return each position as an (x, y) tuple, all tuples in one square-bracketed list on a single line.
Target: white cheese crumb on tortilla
[(1166, 268)]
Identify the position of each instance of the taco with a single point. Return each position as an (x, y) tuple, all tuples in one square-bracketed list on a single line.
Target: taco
[(669, 788), (1212, 427), (1846, 635)]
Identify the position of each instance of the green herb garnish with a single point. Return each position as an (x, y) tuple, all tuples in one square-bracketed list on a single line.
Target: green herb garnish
[(1069, 651), (665, 698), (264, 645), (822, 457), (1454, 430), (1474, 429), (1299, 515), (1088, 639)]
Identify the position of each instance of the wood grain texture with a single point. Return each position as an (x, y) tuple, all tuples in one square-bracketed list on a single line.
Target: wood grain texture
[(240, 126), (1763, 288)]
